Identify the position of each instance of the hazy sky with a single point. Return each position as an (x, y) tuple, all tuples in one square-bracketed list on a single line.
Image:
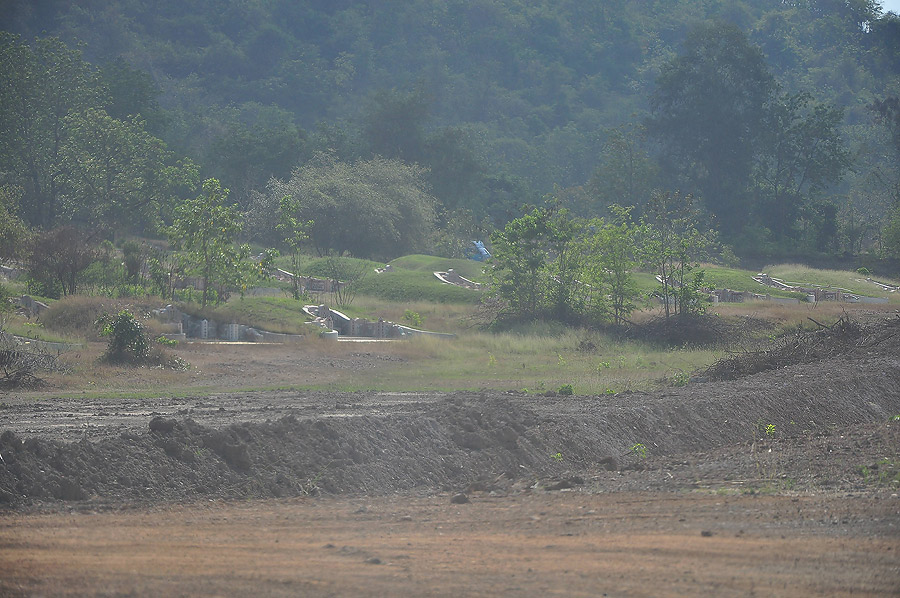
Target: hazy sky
[(891, 5)]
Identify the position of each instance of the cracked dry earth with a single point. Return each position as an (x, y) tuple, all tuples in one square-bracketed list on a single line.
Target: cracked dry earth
[(464, 494)]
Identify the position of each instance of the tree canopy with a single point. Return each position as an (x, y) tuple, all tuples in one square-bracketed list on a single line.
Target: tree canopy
[(756, 107)]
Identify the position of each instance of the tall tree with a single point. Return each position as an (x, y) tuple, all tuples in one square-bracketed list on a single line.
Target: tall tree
[(58, 256), (520, 258), (801, 154), (372, 208), (708, 109), (13, 232), (206, 228), (40, 85), (113, 170), (627, 174), (672, 245), (613, 256)]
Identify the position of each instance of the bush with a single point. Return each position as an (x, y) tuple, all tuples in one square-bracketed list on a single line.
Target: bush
[(128, 342)]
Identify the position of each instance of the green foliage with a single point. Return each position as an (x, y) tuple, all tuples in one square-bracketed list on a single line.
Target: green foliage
[(69, 156), (498, 102), (166, 342), (639, 450), (708, 108), (680, 379), (133, 255), (205, 229), (672, 246), (613, 256), (376, 208), (14, 234), (627, 174), (526, 273), (566, 390), (117, 173), (128, 341), (294, 233), (413, 317)]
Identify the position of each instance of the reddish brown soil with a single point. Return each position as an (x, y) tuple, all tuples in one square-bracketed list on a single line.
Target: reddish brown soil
[(567, 544)]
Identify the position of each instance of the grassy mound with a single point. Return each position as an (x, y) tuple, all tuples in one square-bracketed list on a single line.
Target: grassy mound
[(414, 285), (273, 314), (427, 263)]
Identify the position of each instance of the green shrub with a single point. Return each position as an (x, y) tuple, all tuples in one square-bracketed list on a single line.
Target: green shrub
[(128, 342)]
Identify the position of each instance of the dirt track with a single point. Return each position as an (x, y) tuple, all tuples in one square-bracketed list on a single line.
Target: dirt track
[(792, 472), (567, 544)]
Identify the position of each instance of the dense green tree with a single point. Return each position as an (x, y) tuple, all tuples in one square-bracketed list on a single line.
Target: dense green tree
[(40, 85), (612, 255), (115, 172), (672, 244), (500, 101), (131, 92), (521, 263), (253, 144), (627, 174), (57, 257), (801, 154), (887, 112), (375, 208), (206, 229), (394, 124), (708, 109)]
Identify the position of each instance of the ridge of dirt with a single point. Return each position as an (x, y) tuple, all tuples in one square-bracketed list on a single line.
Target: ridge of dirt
[(778, 428)]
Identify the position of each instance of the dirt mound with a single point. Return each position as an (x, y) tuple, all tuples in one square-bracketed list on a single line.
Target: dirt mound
[(461, 440), (449, 445), (844, 338), (843, 378)]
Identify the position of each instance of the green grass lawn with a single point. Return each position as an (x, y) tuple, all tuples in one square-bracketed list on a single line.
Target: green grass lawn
[(836, 279), (534, 364), (403, 285), (273, 314), (426, 263)]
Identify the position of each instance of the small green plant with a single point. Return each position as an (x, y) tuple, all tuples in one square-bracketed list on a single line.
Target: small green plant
[(603, 365), (414, 318), (566, 390), (680, 379), (127, 340), (895, 418), (770, 430), (560, 360), (639, 450), (165, 341), (492, 361), (557, 457), (884, 472)]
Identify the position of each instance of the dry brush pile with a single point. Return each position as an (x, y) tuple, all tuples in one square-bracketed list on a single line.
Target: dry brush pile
[(844, 337)]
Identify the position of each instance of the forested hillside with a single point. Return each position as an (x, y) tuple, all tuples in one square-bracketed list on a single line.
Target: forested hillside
[(781, 116)]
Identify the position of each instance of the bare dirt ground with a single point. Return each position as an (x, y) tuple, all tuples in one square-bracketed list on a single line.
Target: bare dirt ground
[(780, 483)]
